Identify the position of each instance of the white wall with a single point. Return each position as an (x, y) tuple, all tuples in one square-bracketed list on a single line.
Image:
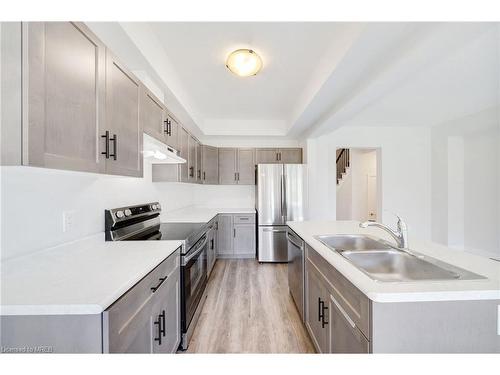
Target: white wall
[(465, 182), (34, 199), (403, 164)]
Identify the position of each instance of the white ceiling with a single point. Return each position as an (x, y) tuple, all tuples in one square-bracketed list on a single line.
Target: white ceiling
[(320, 76), (291, 53)]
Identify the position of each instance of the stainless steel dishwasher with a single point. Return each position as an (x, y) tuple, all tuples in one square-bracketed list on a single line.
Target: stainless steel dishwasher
[(296, 265)]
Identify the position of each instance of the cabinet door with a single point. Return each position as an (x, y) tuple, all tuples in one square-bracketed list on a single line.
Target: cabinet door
[(344, 336), (209, 162), (290, 155), (198, 163), (317, 305), (191, 159), (246, 167), (225, 235), (65, 82), (183, 139), (266, 156), (244, 239), (152, 115), (122, 120), (171, 132), (227, 166), (165, 315)]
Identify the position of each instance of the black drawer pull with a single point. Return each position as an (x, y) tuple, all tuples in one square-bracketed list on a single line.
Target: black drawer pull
[(155, 288)]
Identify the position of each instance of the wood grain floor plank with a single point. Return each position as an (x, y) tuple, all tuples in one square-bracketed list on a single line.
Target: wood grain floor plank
[(249, 310)]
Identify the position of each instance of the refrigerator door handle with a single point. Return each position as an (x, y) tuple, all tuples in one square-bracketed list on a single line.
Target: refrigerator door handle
[(283, 198)]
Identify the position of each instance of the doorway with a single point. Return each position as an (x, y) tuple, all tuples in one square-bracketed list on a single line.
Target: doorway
[(357, 184)]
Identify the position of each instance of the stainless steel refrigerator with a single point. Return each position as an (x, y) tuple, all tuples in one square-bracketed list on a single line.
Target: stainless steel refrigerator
[(281, 196)]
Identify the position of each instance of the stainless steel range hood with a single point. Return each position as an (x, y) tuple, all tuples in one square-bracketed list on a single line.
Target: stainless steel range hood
[(156, 152)]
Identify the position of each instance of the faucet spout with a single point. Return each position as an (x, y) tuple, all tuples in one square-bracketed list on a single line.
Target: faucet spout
[(400, 235)]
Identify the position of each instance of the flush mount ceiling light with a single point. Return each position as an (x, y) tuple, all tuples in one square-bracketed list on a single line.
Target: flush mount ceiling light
[(244, 62)]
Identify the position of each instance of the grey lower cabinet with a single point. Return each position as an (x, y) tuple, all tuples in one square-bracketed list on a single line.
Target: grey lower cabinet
[(236, 236), (278, 155), (236, 166), (209, 165), (337, 313), (146, 319)]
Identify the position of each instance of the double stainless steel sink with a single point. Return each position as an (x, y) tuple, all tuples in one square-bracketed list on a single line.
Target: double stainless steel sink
[(383, 262)]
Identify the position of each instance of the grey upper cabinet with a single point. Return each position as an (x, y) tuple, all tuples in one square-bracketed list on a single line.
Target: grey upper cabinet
[(123, 135), (266, 156), (209, 165), (227, 166), (65, 94), (236, 166), (290, 155), (191, 159), (225, 234), (278, 155), (171, 132), (199, 176), (183, 140), (246, 166), (152, 115)]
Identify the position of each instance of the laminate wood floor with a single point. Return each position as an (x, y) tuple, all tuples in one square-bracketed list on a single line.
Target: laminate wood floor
[(249, 310)]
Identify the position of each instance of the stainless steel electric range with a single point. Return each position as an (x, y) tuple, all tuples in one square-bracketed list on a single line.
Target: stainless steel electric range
[(142, 223)]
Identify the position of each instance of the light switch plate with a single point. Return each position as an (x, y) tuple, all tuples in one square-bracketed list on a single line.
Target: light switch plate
[(68, 221)]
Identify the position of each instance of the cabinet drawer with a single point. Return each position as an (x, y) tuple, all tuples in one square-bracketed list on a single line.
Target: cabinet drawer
[(244, 219), (350, 298), (124, 320)]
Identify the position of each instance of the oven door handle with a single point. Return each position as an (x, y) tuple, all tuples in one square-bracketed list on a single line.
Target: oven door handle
[(196, 252)]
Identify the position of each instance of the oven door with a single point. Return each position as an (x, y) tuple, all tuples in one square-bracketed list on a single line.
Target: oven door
[(194, 279)]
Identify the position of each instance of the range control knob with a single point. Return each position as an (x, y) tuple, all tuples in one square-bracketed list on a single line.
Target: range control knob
[(158, 207), (153, 207), (128, 212), (119, 214)]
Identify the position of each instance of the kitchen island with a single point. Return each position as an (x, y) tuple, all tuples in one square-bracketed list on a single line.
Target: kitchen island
[(419, 316)]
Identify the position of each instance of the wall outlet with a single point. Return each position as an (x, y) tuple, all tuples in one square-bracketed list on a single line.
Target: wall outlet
[(68, 221)]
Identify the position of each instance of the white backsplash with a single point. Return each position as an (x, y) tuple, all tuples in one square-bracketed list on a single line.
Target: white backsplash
[(35, 199)]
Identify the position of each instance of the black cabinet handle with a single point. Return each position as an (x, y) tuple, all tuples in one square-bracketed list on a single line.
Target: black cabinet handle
[(114, 139), (212, 244), (163, 326), (158, 323), (199, 174), (323, 322), (204, 175), (191, 171), (106, 144), (165, 127), (155, 288), (321, 312), (320, 302)]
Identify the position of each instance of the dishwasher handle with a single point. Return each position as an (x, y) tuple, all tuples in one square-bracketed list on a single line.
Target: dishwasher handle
[(292, 239)]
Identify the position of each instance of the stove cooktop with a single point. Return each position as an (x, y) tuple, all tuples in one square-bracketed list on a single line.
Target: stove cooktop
[(187, 232)]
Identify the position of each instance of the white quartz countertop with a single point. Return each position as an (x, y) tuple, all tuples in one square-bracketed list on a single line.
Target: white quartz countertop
[(379, 291), (197, 214), (81, 277)]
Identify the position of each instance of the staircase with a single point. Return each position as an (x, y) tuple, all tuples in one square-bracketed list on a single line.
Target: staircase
[(342, 163)]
